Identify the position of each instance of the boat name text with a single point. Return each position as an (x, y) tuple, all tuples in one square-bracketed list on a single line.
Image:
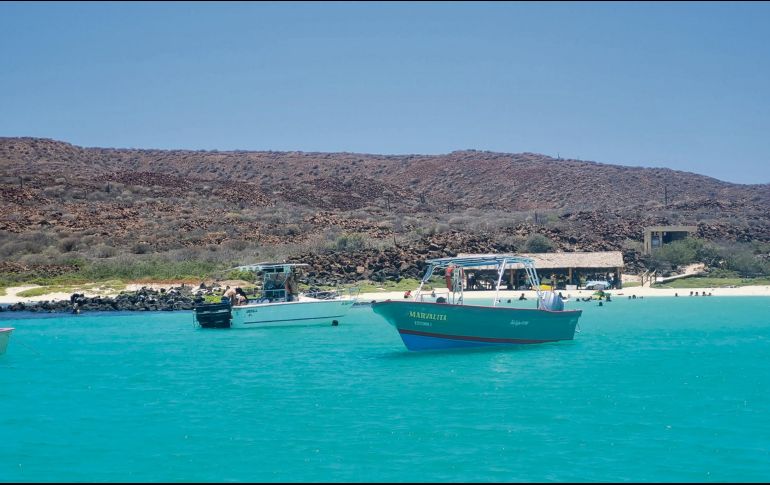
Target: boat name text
[(518, 323), (427, 316)]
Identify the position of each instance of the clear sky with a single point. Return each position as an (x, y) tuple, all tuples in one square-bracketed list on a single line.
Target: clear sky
[(679, 85)]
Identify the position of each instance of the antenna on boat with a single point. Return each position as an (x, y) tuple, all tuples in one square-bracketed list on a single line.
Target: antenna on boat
[(500, 271)]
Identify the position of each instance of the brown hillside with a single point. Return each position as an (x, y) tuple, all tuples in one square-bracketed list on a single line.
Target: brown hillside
[(59, 201)]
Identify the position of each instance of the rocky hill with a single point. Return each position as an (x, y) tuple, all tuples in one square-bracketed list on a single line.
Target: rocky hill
[(62, 201)]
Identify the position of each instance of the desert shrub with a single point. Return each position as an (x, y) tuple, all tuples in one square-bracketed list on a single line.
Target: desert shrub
[(732, 258), (89, 240), (537, 243), (677, 253), (68, 244), (141, 248), (34, 259), (431, 228), (709, 253), (385, 225), (98, 196), (236, 274), (30, 243), (287, 230), (11, 248), (479, 224), (745, 263), (760, 247), (517, 243), (131, 268), (104, 251), (461, 221), (236, 244), (722, 273), (54, 192), (505, 220), (350, 242)]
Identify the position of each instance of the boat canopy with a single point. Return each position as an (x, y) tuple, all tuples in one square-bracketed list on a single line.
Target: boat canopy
[(269, 266), (274, 277), (476, 261), (499, 261)]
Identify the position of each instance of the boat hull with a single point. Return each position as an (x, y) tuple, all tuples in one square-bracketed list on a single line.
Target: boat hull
[(284, 314), (5, 336), (435, 326)]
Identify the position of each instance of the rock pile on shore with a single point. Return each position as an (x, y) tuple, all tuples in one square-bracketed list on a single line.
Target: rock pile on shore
[(145, 299)]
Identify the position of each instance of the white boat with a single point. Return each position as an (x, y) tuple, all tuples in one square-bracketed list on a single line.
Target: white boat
[(5, 335), (275, 307)]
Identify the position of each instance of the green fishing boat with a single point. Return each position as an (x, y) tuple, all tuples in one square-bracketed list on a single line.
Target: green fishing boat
[(451, 323)]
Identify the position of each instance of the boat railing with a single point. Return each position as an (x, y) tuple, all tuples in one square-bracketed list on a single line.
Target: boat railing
[(273, 294), (354, 292), (435, 295), (333, 294)]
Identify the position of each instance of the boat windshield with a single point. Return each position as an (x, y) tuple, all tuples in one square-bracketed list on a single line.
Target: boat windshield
[(273, 278)]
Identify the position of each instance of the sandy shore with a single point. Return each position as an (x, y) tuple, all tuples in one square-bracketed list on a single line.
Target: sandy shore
[(624, 293), (11, 297)]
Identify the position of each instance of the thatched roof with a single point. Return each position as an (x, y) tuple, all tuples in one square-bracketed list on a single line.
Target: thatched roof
[(599, 259)]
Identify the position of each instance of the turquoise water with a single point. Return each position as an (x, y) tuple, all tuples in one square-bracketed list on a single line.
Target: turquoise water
[(656, 389)]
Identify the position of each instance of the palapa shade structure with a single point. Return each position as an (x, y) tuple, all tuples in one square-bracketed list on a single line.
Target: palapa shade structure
[(570, 265)]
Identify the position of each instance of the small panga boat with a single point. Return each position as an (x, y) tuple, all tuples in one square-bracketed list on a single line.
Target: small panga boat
[(452, 323)]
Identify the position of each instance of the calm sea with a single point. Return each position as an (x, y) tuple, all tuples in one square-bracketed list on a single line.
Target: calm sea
[(656, 389)]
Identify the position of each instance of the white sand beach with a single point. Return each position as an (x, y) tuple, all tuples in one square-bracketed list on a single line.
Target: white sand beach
[(92, 290), (11, 293), (622, 293)]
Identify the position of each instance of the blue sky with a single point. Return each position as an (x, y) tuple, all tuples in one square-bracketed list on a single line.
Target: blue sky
[(679, 85)]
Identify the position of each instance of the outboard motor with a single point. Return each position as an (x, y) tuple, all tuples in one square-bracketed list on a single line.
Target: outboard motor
[(213, 315), (551, 302)]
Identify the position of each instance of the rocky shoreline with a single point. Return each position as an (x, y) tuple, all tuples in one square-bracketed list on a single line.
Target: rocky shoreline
[(145, 299)]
